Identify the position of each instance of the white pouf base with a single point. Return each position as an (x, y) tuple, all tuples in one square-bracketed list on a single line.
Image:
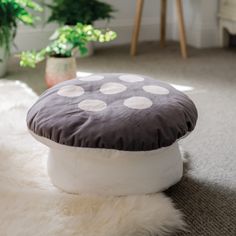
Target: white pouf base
[(110, 172)]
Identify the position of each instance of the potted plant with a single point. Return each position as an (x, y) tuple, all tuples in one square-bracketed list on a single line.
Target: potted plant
[(11, 12), (61, 64), (70, 12)]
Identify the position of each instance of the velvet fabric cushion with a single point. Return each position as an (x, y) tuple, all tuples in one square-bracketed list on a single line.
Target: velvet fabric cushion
[(113, 111)]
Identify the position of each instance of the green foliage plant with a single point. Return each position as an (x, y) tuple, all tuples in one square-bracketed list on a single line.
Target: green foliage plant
[(70, 12), (12, 12), (64, 41)]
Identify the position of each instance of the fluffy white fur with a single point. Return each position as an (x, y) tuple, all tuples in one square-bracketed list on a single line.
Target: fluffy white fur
[(31, 205)]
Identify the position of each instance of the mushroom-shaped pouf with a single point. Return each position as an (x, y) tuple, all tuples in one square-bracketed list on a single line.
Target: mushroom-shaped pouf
[(113, 134)]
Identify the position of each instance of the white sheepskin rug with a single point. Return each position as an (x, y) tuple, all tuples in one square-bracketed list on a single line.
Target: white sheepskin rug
[(31, 206)]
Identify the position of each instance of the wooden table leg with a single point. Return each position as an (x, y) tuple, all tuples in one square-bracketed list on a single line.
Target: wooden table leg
[(182, 33), (163, 23), (137, 23)]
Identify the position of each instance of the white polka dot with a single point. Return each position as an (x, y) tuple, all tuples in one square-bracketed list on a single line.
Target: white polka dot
[(131, 78), (154, 89), (92, 105), (138, 102), (70, 91), (112, 88), (92, 78)]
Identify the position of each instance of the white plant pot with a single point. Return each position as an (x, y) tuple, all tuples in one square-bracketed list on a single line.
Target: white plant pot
[(59, 69), (90, 47), (3, 61)]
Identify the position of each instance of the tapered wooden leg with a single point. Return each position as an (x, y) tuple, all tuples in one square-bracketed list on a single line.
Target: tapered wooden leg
[(137, 23), (163, 23), (182, 33)]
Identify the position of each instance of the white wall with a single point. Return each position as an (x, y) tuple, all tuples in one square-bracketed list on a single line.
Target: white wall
[(200, 19), (124, 20), (201, 23), (210, 23)]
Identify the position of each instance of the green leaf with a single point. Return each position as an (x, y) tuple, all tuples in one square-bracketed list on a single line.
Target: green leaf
[(11, 12), (70, 12), (64, 40)]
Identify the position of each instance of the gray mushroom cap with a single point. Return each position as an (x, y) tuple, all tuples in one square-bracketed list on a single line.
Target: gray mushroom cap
[(113, 111)]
